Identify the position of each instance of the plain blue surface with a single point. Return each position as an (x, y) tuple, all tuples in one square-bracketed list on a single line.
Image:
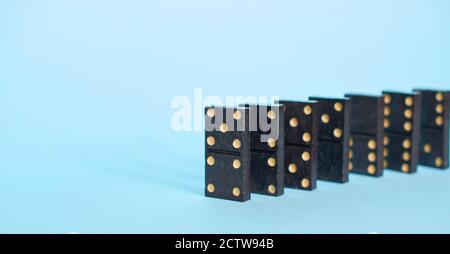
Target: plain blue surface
[(85, 92)]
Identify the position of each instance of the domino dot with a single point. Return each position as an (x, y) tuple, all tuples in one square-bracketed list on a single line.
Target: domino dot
[(325, 118), (307, 110), (236, 164), (371, 169), (406, 144), (409, 101), (439, 96), (439, 120), (223, 127), (438, 162), (386, 140), (271, 189), (407, 126), (408, 113), (293, 122), (210, 188), (271, 142), (385, 163), (210, 160), (211, 112), (306, 156), (237, 143), (406, 156), (271, 115), (350, 154), (372, 144), (210, 141), (271, 162), (305, 183), (427, 148), (372, 157), (350, 165), (237, 115), (439, 108), (387, 111), (350, 142), (292, 168), (386, 123), (306, 137), (385, 152), (387, 98), (337, 133), (405, 168), (338, 106), (236, 192)]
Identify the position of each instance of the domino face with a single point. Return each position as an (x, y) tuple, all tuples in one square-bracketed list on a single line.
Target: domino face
[(366, 135), (333, 132), (301, 139), (434, 133), (267, 149), (227, 153), (402, 130)]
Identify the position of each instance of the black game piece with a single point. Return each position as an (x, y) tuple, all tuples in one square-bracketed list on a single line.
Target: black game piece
[(366, 135), (434, 133), (402, 131), (267, 149), (301, 139), (227, 167), (334, 132)]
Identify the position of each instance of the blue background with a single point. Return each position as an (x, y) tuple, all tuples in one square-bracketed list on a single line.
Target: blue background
[(85, 92)]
